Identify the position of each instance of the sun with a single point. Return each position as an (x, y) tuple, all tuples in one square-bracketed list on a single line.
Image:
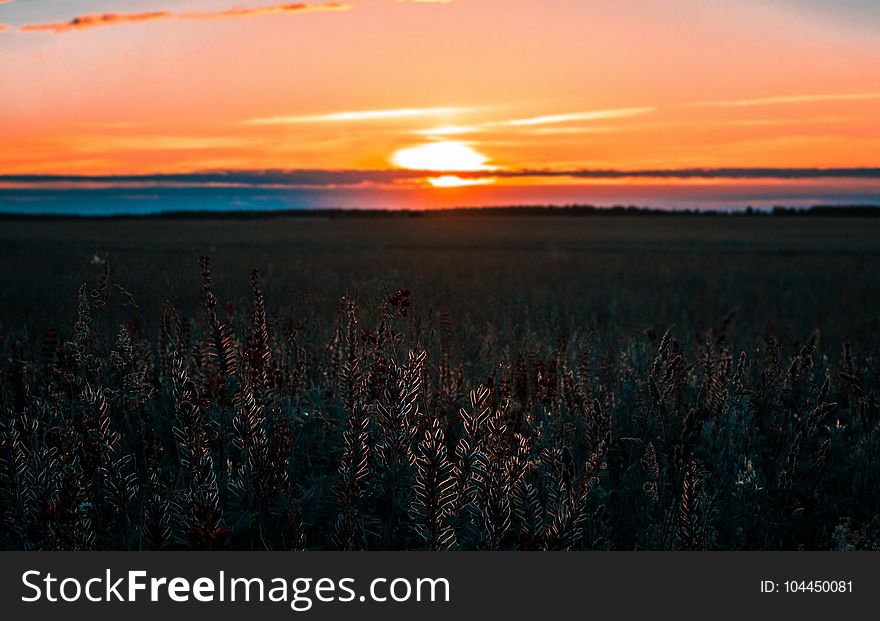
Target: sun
[(454, 181), (445, 156)]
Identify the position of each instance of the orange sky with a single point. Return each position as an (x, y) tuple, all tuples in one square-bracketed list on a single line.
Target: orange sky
[(148, 86)]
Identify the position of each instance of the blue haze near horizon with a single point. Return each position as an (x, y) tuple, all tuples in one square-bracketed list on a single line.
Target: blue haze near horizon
[(148, 201)]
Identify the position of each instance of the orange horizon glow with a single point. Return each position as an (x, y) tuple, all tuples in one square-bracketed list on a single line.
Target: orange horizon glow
[(440, 87)]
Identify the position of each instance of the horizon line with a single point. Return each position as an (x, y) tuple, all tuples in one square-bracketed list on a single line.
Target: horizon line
[(865, 210)]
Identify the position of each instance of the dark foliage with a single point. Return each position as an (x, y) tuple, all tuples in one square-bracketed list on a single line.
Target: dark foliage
[(370, 430)]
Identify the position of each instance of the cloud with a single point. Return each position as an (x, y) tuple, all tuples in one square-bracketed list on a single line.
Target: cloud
[(3, 27), (591, 115), (83, 22), (223, 178), (445, 130), (704, 173), (788, 99), (535, 124), (360, 115), (93, 21), (311, 178), (573, 131), (406, 113)]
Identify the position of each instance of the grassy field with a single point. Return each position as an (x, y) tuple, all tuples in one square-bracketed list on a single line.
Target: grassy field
[(660, 382), (787, 275)]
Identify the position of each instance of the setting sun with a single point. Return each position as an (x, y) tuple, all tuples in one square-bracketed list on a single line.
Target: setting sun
[(454, 181), (441, 156)]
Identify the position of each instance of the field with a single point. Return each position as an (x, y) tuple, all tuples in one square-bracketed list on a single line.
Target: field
[(441, 382)]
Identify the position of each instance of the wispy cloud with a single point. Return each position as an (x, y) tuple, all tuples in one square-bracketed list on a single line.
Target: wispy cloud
[(446, 130), (359, 115), (536, 125), (83, 22), (573, 131), (788, 99), (532, 123), (590, 115)]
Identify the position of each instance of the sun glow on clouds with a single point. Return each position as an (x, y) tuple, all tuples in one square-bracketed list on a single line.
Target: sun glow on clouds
[(450, 155)]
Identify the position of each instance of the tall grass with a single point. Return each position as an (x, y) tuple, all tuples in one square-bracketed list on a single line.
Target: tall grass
[(250, 428)]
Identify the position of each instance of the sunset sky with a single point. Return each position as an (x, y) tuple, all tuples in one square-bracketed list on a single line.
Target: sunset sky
[(487, 95)]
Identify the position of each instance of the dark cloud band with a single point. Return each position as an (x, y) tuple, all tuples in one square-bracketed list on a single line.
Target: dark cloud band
[(332, 178)]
